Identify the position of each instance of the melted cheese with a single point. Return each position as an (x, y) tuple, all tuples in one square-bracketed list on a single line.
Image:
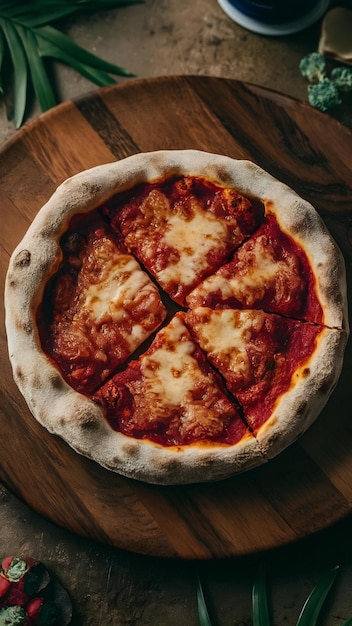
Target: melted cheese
[(171, 371), (122, 288), (177, 392), (252, 279), (121, 283), (193, 239), (227, 333), (260, 274), (224, 330)]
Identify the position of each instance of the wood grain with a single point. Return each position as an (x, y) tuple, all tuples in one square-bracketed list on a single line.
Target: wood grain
[(307, 487)]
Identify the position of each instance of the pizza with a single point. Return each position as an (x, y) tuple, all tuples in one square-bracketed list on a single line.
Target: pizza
[(176, 316)]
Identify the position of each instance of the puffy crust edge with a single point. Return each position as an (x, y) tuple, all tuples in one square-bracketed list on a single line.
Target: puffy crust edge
[(81, 423), (310, 390), (76, 418)]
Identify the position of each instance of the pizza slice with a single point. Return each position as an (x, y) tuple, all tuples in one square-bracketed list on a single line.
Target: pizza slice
[(278, 369), (270, 271), (183, 230), (171, 395), (97, 309)]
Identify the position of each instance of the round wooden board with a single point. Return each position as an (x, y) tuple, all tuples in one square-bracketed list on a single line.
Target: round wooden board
[(307, 487)]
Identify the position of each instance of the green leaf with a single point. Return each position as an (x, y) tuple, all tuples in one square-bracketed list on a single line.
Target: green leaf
[(38, 12), (348, 622), (46, 49), (107, 4), (48, 9), (260, 608), (95, 76), (204, 619), (20, 70), (36, 20), (40, 80), (26, 38), (5, 7), (42, 12), (81, 55), (313, 605)]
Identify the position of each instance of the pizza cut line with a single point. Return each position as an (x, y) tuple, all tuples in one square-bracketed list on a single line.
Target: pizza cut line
[(101, 307), (176, 316)]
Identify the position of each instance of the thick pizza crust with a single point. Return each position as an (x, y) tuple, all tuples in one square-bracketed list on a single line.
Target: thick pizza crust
[(310, 390), (76, 418)]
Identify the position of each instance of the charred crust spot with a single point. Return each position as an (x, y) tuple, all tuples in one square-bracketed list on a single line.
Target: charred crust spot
[(304, 225), (44, 266), (47, 232), (171, 468), (23, 259), (222, 175), (130, 450), (89, 424), (57, 382), (13, 283), (36, 382), (19, 373), (71, 242), (24, 326), (92, 188), (326, 386), (306, 372), (208, 461), (28, 328), (333, 294), (302, 409)]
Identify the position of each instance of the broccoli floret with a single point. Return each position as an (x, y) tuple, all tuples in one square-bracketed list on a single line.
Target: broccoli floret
[(13, 616), (342, 77), (324, 95), (312, 67)]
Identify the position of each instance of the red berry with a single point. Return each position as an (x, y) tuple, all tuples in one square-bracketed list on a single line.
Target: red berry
[(16, 595), (4, 586), (34, 607)]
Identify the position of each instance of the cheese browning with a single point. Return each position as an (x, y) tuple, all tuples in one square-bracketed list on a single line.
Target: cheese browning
[(103, 307), (269, 271), (170, 393), (184, 230)]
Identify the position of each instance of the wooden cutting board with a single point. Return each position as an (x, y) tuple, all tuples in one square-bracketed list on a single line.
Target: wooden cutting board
[(307, 487)]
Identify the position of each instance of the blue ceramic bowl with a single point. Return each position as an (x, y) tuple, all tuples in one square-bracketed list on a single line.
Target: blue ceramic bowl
[(274, 17)]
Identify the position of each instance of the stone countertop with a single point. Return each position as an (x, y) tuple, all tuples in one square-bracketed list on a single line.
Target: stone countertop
[(168, 37), (107, 586)]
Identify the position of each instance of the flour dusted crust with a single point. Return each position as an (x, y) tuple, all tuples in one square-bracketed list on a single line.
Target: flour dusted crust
[(81, 422)]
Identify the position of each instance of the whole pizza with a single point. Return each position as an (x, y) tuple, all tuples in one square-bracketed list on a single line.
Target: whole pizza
[(176, 316)]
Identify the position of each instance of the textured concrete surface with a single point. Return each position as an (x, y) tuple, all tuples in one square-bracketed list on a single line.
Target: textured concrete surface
[(161, 37), (110, 587)]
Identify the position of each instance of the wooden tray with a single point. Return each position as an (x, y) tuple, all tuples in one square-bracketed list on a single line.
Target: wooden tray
[(308, 486)]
